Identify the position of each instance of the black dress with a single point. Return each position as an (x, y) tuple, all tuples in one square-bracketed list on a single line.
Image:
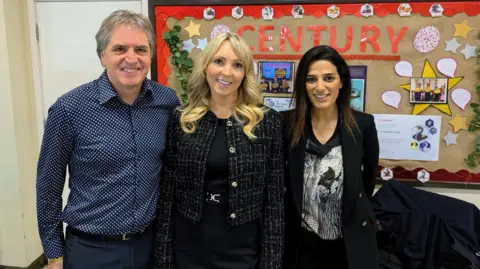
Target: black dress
[(213, 243)]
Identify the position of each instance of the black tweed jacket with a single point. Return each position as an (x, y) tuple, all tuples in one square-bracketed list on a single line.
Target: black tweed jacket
[(256, 182)]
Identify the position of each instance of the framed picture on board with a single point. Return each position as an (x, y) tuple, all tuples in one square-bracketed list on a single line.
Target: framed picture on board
[(276, 76), (358, 74), (428, 91)]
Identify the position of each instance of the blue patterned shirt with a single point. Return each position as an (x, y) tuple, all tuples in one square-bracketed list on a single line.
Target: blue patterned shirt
[(113, 153)]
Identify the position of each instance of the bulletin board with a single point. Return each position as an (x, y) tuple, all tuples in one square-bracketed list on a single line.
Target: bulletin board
[(391, 48)]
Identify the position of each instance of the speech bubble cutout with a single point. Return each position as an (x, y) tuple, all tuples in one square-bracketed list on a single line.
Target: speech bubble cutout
[(391, 98), (461, 97), (404, 69), (447, 66)]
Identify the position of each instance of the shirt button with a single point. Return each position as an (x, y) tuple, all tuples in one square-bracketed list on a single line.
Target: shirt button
[(232, 150), (233, 216), (360, 195), (229, 123), (364, 223), (234, 184)]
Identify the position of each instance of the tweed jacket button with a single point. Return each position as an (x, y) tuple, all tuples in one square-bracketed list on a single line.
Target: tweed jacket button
[(232, 150), (233, 216), (234, 184), (229, 123), (364, 223)]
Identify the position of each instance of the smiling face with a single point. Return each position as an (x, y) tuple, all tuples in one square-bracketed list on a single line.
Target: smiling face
[(127, 57), (323, 84), (225, 72)]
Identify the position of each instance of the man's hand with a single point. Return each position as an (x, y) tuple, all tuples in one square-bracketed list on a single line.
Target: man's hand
[(57, 264)]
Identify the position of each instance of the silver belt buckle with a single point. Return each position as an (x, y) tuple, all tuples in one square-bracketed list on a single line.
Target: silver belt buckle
[(213, 197), (125, 237)]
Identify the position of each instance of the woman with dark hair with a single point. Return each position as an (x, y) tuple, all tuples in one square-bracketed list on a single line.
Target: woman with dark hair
[(332, 158)]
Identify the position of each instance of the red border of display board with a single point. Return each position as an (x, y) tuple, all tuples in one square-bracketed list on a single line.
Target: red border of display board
[(162, 13)]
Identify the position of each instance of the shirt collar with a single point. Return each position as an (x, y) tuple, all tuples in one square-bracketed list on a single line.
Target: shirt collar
[(107, 92)]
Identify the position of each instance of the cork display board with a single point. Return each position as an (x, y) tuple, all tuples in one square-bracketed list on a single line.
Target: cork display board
[(395, 52)]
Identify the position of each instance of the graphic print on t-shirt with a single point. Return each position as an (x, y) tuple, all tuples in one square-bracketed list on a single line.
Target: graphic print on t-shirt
[(323, 190)]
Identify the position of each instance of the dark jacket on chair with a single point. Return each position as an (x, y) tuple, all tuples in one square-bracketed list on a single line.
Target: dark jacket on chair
[(256, 182), (360, 162), (428, 226)]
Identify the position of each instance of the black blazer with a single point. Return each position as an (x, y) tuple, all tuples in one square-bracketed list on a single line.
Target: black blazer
[(256, 182), (360, 162), (427, 227)]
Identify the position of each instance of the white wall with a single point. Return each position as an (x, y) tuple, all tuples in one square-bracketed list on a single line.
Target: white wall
[(21, 125), (19, 242), (472, 196)]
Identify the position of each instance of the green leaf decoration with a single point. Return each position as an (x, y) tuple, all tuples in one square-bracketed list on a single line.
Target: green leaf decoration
[(472, 159), (179, 58)]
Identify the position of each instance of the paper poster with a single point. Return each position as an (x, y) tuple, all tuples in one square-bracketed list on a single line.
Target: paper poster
[(279, 103), (408, 137), (359, 84)]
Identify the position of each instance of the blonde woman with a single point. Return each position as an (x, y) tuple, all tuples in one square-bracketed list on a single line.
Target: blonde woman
[(221, 201)]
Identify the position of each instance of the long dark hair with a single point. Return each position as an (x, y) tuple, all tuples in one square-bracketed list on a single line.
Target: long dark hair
[(296, 123)]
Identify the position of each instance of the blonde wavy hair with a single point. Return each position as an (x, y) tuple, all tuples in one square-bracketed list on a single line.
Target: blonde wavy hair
[(247, 111)]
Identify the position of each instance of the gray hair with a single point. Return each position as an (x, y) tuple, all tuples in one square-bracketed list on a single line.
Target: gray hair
[(128, 18)]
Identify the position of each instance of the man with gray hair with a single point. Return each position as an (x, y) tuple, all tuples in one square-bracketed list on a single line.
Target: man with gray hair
[(110, 135)]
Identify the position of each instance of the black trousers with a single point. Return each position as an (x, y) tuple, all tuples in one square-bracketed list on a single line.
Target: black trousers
[(83, 252), (315, 253)]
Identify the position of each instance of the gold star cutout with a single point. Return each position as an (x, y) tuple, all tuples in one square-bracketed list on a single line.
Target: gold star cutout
[(429, 73), (458, 123), (193, 29), (462, 29)]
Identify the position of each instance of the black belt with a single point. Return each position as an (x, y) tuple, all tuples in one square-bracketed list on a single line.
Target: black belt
[(99, 237)]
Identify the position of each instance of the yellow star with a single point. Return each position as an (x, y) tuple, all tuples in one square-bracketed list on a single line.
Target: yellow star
[(462, 29), (193, 29), (458, 123), (429, 73)]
